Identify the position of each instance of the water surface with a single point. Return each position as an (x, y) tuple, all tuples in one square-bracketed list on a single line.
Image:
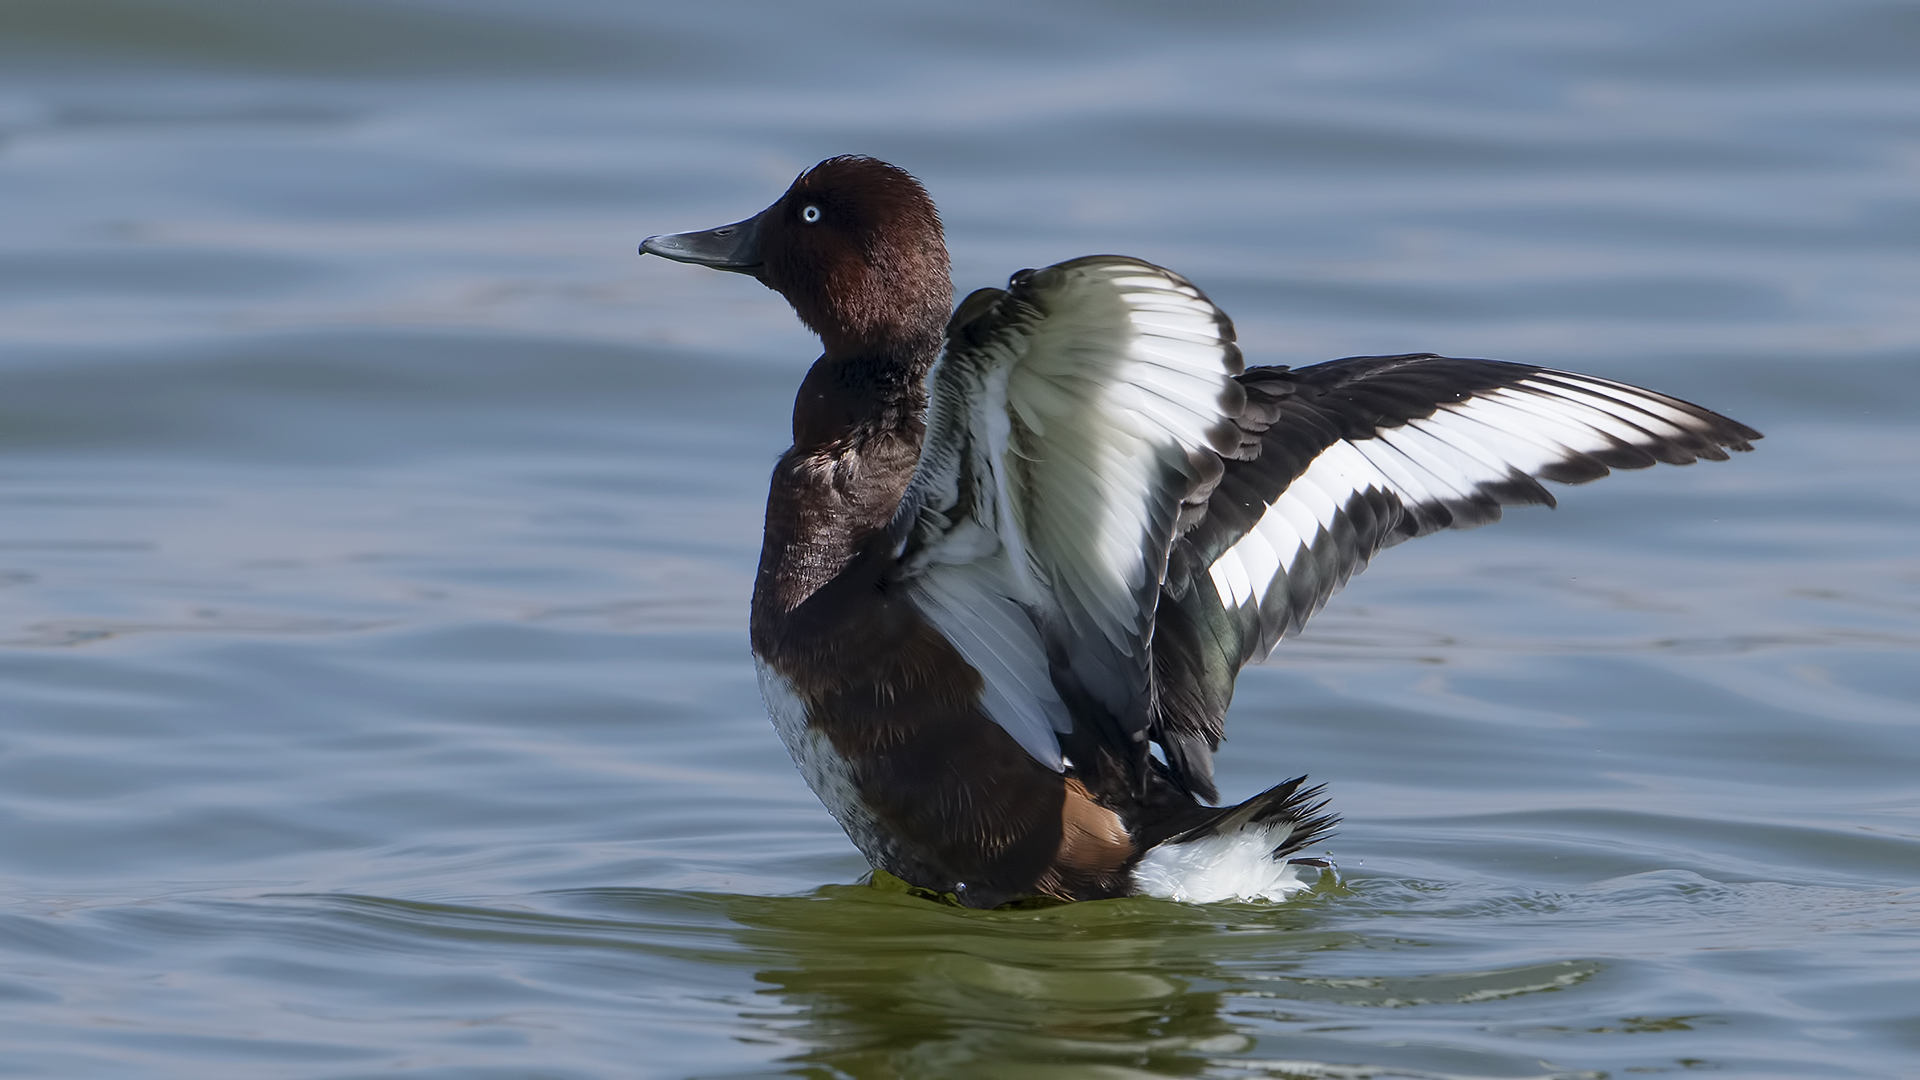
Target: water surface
[(377, 534)]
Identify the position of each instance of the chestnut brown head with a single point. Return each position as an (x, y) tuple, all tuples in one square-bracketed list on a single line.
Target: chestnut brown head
[(855, 245)]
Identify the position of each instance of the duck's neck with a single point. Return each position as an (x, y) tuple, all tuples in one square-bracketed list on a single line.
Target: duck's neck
[(845, 401), (858, 422)]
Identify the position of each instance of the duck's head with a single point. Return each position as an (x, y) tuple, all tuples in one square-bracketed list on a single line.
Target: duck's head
[(854, 245)]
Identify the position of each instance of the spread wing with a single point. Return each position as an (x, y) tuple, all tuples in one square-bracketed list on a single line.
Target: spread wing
[(1109, 519), (1362, 453), (1071, 420)]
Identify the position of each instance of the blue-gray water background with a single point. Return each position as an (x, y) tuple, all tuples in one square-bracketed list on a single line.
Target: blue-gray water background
[(377, 532)]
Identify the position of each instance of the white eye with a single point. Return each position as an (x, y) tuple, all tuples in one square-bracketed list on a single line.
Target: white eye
[(810, 214)]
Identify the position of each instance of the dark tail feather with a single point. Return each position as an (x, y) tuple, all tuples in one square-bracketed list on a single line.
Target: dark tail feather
[(1288, 802)]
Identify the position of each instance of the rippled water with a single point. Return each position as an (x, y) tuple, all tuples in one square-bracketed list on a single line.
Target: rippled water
[(377, 532)]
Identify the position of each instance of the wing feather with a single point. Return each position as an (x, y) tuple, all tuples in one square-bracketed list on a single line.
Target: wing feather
[(1110, 518), (1363, 453), (1069, 418)]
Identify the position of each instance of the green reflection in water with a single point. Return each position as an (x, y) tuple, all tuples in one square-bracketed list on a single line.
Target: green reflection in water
[(879, 983), (859, 981)]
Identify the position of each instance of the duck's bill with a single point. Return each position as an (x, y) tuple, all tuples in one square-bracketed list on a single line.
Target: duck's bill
[(734, 247)]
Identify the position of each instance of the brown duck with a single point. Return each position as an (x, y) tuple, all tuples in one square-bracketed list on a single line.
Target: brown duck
[(1018, 553)]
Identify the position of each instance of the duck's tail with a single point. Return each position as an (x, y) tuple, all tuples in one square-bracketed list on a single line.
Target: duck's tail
[(1240, 852)]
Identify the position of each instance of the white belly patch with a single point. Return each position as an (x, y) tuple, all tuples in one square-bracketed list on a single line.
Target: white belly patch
[(825, 771)]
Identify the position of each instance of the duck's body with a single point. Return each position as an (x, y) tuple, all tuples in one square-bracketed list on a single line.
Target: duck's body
[(987, 587)]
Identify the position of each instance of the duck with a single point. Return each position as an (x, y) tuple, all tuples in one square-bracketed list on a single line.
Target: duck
[(1020, 550)]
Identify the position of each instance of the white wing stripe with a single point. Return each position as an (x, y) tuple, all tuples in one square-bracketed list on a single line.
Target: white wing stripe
[(1230, 578), (1315, 501), (1450, 433), (1365, 473), (1645, 400), (1275, 543), (1398, 470), (1261, 561), (1341, 471), (1445, 459), (1576, 420), (1626, 424), (1285, 540), (1627, 402), (1570, 431), (1539, 439), (1445, 482), (1302, 520)]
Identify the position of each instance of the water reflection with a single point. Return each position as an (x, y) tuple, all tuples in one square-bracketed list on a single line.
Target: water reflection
[(887, 985), (870, 983)]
